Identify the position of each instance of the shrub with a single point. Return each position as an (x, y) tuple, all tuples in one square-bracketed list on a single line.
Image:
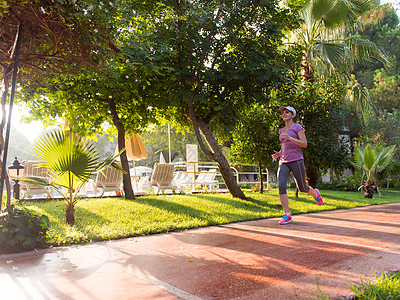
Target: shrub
[(256, 188), (22, 230), (273, 185), (397, 184), (344, 183)]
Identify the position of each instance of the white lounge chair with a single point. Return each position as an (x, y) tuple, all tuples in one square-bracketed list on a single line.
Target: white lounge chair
[(141, 186), (161, 178), (209, 179), (206, 178), (109, 180), (181, 179), (32, 168)]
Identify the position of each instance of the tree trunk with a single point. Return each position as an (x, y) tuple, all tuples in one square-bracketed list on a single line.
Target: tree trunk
[(126, 177), (307, 73), (6, 86), (70, 214), (261, 178), (8, 188), (369, 189), (8, 192), (219, 158)]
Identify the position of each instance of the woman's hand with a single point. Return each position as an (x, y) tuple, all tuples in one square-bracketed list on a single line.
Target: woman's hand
[(301, 142), (285, 135), (276, 155)]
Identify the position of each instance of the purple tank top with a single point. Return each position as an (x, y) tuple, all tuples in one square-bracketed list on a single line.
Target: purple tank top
[(289, 150)]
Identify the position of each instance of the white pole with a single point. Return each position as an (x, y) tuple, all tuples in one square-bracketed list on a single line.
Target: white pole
[(169, 144)]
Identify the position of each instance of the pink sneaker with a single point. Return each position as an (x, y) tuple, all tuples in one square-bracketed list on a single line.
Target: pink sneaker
[(286, 218), (318, 198)]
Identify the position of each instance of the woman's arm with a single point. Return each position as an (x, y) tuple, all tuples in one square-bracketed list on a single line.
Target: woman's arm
[(301, 142)]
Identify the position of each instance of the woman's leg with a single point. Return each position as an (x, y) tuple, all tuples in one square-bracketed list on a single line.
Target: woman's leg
[(312, 192), (299, 173), (283, 176), (285, 203)]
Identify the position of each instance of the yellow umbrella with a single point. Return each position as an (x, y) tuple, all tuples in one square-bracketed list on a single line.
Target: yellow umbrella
[(135, 149)]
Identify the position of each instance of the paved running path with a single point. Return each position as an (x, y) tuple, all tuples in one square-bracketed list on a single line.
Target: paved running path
[(247, 260)]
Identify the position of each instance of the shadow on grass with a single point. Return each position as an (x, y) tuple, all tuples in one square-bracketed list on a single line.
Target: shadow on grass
[(58, 211), (264, 204), (63, 234), (248, 203), (211, 214)]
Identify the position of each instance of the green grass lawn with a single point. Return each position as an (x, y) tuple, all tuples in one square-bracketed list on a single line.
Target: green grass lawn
[(113, 218)]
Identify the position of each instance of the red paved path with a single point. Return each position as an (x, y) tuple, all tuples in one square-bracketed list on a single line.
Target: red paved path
[(247, 260)]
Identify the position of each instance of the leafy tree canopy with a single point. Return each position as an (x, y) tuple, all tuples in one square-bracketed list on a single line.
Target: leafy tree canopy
[(207, 52), (56, 37), (208, 59), (86, 98), (382, 27), (384, 130)]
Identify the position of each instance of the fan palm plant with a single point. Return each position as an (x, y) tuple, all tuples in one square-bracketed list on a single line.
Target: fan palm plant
[(372, 163), (71, 161)]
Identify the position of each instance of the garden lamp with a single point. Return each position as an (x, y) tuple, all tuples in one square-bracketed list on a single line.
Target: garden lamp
[(14, 172)]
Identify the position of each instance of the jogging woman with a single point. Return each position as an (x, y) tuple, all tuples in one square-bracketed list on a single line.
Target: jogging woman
[(292, 138)]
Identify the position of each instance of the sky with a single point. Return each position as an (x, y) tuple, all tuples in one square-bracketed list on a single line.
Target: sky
[(396, 4), (31, 130)]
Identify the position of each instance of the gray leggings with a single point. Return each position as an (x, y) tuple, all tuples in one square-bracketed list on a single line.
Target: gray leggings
[(299, 173)]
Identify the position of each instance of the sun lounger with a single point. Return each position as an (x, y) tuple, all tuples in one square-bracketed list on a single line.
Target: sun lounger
[(161, 178)]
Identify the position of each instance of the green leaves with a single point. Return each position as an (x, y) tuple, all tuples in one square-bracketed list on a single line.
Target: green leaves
[(369, 158), (328, 36), (384, 130), (72, 159), (371, 161), (256, 136), (329, 13), (358, 97), (384, 158), (216, 53), (364, 51), (22, 230)]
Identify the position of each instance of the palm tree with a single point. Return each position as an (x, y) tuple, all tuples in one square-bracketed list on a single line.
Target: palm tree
[(330, 45), (328, 37), (72, 161), (372, 163), (359, 100)]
